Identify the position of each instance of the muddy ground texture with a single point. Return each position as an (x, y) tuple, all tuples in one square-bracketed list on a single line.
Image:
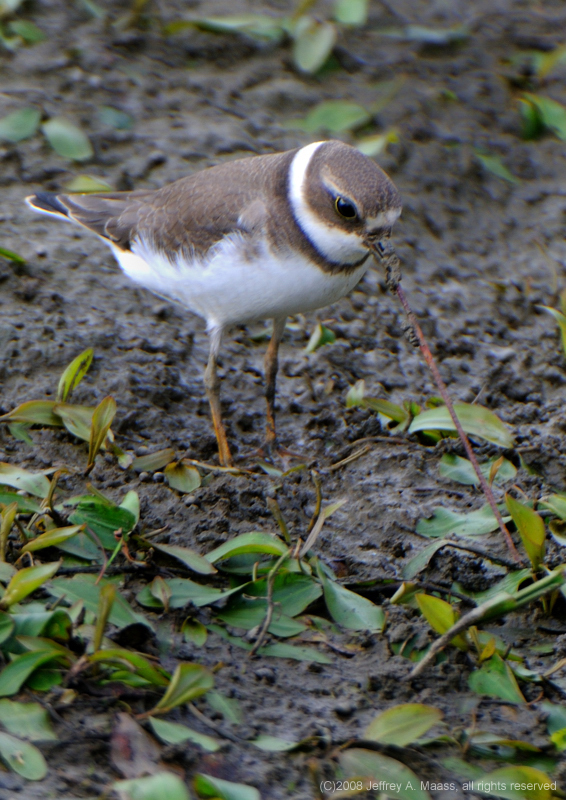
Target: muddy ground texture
[(479, 256)]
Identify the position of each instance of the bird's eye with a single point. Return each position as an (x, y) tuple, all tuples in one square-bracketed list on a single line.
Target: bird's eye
[(345, 208)]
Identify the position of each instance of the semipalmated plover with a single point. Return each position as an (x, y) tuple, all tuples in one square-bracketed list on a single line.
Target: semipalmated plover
[(259, 238)]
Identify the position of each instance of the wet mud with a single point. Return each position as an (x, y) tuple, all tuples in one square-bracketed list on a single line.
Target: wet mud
[(479, 254)]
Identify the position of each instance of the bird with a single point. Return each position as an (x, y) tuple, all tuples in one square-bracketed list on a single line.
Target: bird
[(259, 238)]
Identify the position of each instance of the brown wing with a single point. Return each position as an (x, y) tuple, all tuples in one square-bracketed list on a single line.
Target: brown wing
[(191, 214)]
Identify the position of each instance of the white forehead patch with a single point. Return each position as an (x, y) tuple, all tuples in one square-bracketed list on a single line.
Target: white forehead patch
[(332, 242), (385, 219)]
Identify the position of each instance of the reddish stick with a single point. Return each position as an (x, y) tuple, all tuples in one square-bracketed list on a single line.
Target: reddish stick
[(388, 256)]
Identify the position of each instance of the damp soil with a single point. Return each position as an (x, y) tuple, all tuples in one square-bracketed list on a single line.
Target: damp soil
[(480, 255)]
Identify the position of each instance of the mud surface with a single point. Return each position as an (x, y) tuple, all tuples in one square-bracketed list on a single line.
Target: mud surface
[(479, 255)]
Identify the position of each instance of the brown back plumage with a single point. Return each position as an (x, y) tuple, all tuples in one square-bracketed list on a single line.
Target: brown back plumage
[(191, 214)]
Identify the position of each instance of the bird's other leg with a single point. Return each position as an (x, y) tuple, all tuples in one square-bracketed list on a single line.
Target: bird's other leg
[(271, 377), (212, 386)]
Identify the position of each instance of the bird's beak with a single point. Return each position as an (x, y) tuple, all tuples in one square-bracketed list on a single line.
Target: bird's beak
[(378, 246)]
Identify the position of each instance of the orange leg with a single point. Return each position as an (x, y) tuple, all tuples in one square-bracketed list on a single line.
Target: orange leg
[(212, 386), (271, 365)]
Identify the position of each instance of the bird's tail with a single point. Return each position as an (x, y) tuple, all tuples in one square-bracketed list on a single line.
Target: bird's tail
[(47, 203)]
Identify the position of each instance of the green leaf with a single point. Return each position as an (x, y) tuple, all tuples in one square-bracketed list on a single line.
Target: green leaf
[(373, 768), (161, 786), (19, 125), (102, 418), (82, 587), (33, 620), (246, 613), (34, 412), (292, 592), (26, 581), (495, 165), (391, 410), (531, 528), (444, 522), (175, 733), (260, 26), (184, 591), (188, 557), (273, 744), (189, 681), (74, 374), (373, 146), (11, 256), (32, 482), (495, 679), (475, 420), (153, 461), (195, 632), (15, 674), (183, 477), (320, 336), (255, 542), (52, 538), (355, 394), (76, 419), (22, 757), (460, 469), (556, 716), (6, 626), (349, 609), (356, 397), (509, 584), (278, 650), (209, 786), (161, 591), (520, 783), (403, 724), (131, 503), (440, 616), (558, 739), (103, 519), (131, 661), (552, 114), (438, 37), (351, 12), (421, 560), (554, 502), (115, 118), (313, 43), (333, 116), (532, 125), (296, 652), (228, 707), (28, 30), (546, 62), (67, 139), (29, 720), (87, 184), (561, 320)]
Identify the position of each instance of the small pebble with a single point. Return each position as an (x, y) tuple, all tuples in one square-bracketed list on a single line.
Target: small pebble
[(265, 674), (189, 500), (144, 477), (345, 708), (158, 477)]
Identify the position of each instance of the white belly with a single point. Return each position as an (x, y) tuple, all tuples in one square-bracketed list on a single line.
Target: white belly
[(234, 286)]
